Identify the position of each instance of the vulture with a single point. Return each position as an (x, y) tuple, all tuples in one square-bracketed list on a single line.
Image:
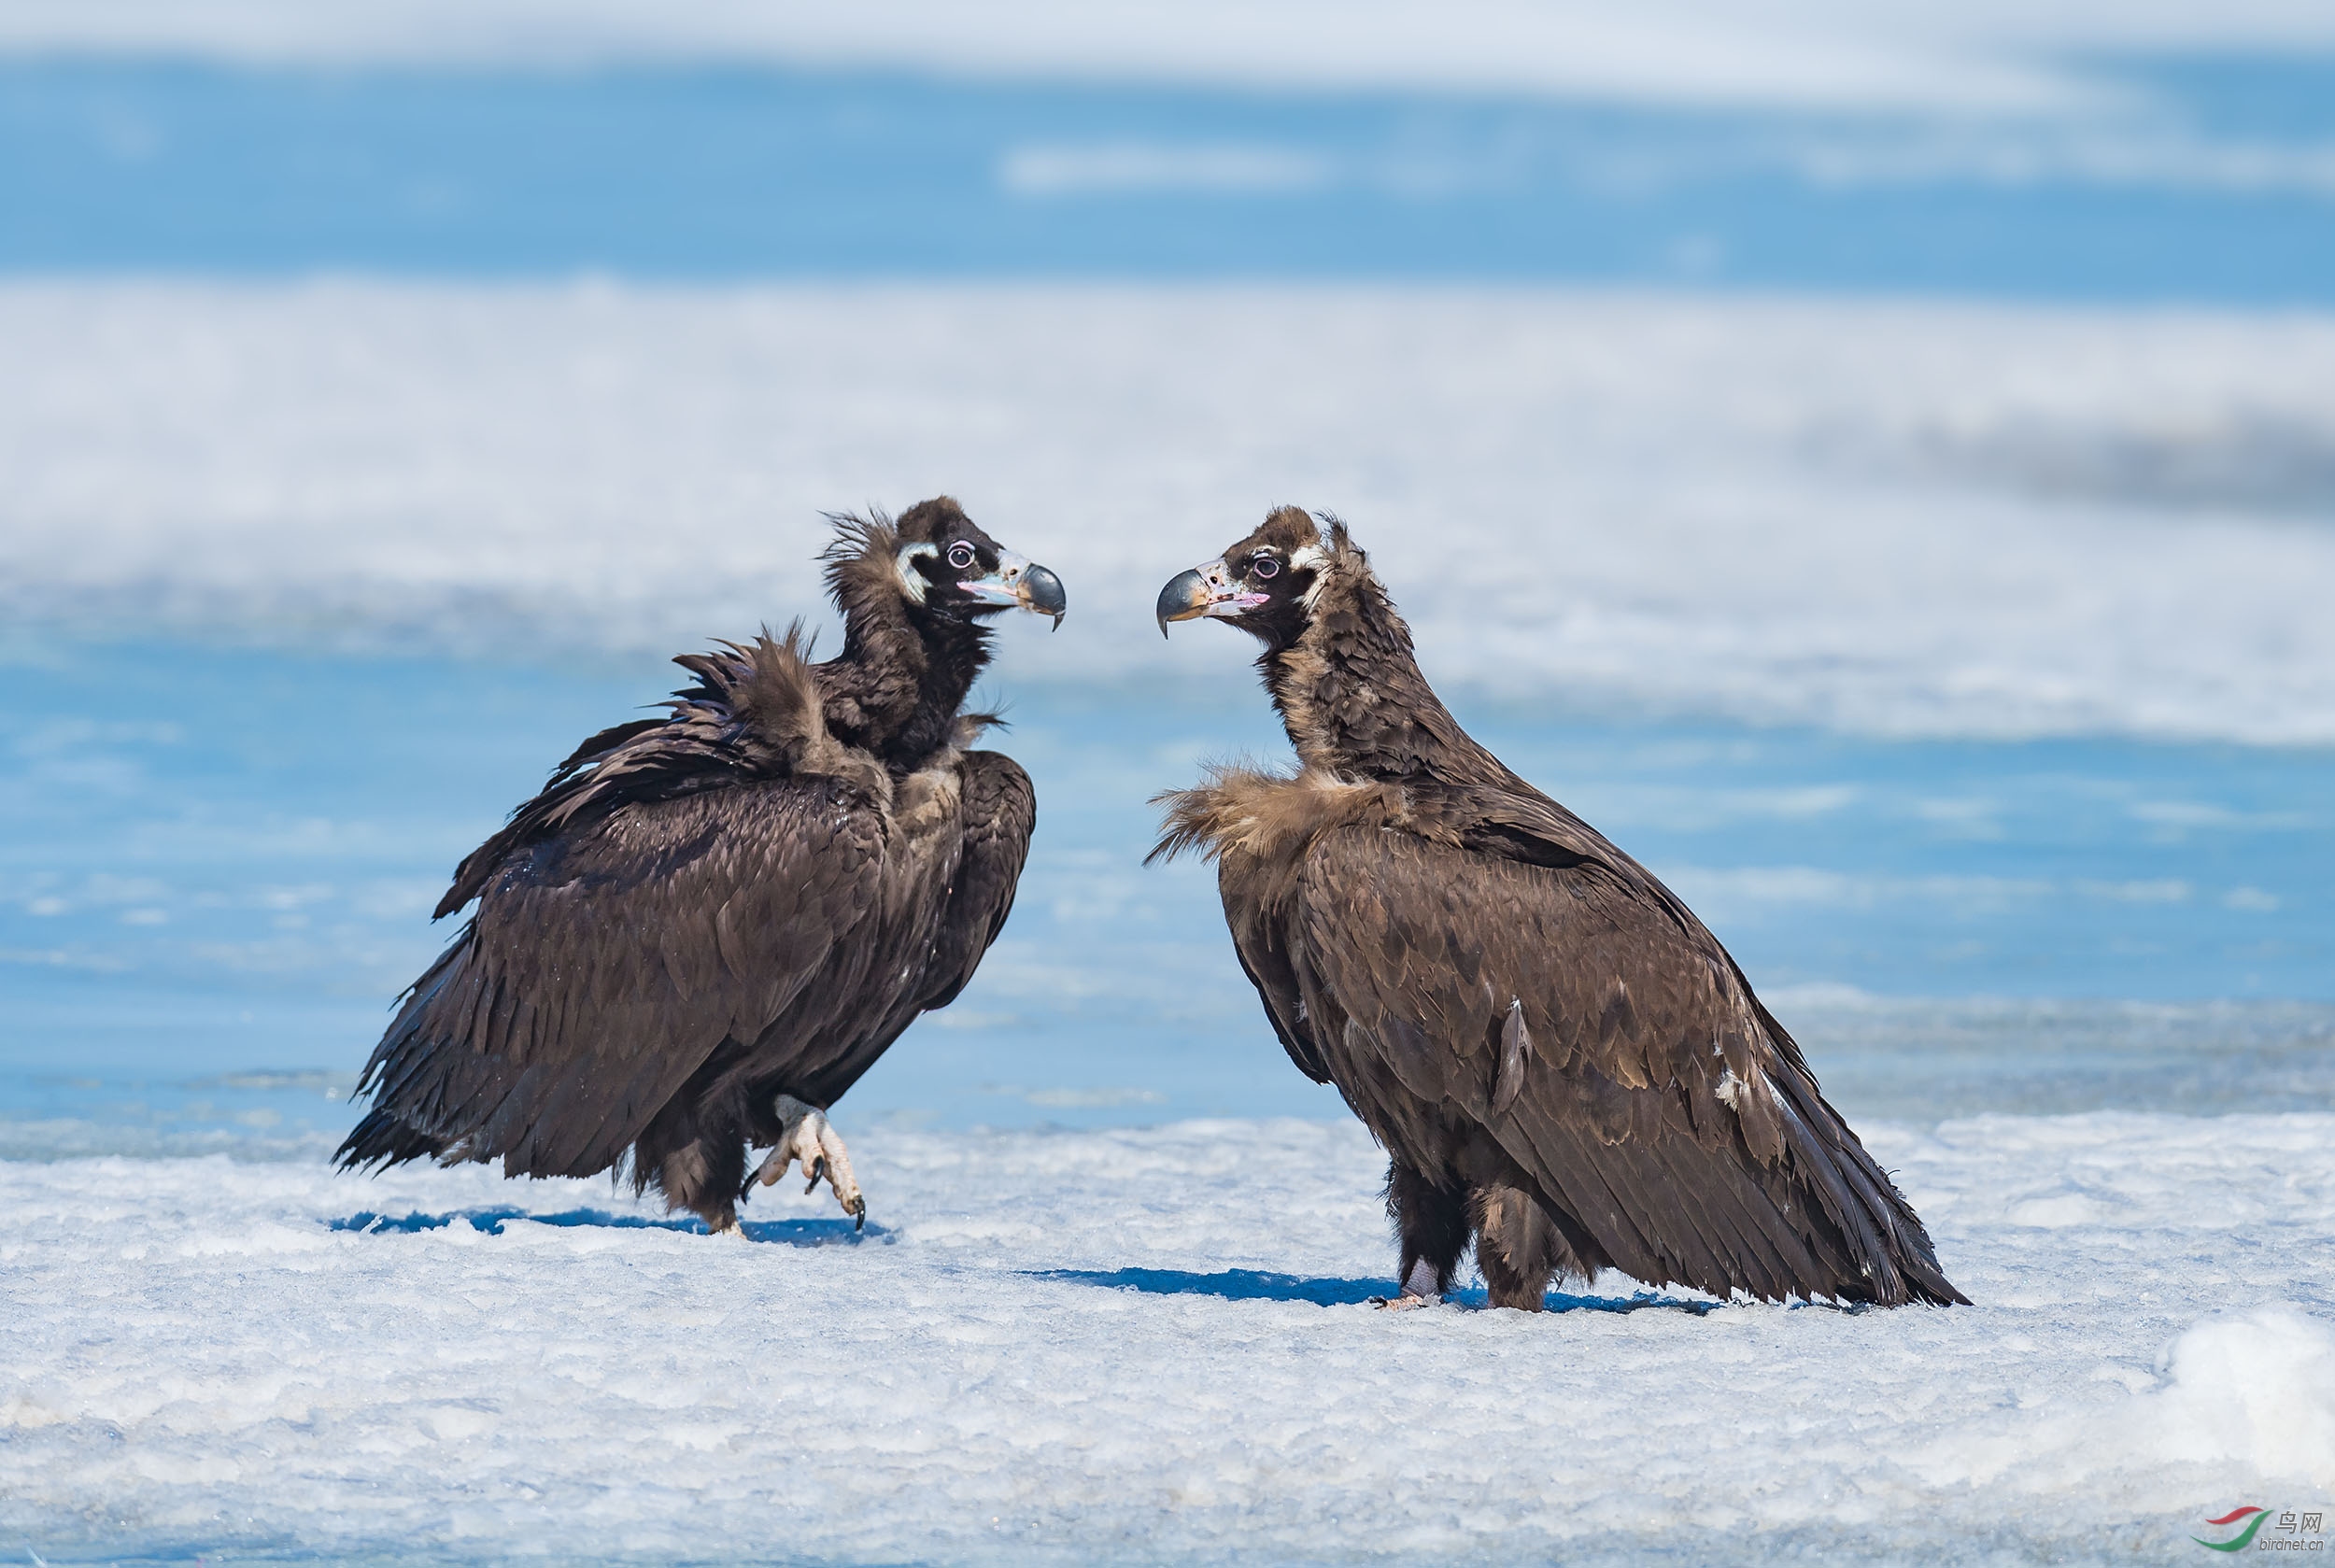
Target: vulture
[(707, 926), (1565, 1067)]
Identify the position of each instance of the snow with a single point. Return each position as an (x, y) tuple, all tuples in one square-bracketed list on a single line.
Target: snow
[(1155, 1343), (1972, 58), (1147, 1346), (1896, 518)]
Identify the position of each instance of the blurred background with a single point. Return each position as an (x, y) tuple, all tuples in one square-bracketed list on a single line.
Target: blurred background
[(1876, 461)]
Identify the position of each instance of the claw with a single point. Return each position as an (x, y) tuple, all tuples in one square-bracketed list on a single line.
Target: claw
[(1421, 1289), (806, 1135)]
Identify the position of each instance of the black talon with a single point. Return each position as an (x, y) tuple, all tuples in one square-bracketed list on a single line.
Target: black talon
[(818, 1168), (858, 1215)]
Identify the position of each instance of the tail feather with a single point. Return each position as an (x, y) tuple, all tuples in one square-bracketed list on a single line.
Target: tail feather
[(383, 1140)]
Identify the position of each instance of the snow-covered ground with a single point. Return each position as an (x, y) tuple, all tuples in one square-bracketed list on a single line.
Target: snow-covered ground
[(1144, 1346), (1895, 518), (1153, 1345)]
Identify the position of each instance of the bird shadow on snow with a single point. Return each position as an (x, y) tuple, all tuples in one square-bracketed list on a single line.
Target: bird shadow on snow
[(787, 1232), (1249, 1284)]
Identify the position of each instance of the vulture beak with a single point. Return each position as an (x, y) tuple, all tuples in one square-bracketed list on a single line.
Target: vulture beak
[(1205, 591), (1021, 582)]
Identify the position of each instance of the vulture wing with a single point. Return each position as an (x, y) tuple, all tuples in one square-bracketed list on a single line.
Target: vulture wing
[(1000, 809), (1511, 963), (1257, 939), (607, 964)]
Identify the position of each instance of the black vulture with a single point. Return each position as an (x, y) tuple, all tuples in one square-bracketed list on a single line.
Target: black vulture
[(1562, 1062), (708, 925)]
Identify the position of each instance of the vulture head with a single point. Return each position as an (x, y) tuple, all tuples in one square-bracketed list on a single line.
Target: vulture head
[(949, 567), (1267, 583)]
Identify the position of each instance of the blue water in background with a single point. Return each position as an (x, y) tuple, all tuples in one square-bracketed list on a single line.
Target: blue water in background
[(706, 171), (216, 864), (216, 868)]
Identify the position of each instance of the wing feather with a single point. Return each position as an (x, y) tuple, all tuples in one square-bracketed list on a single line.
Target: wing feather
[(1658, 1102), (571, 1007), (999, 811)]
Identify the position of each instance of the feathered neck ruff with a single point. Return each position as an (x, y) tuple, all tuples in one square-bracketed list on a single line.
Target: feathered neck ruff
[(905, 669), (1349, 688)]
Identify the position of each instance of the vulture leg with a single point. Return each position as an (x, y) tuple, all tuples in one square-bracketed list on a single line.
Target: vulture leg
[(697, 1159), (806, 1135), (1517, 1246), (1431, 1221)]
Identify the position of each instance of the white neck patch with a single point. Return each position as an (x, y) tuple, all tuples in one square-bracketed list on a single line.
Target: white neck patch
[(1311, 557), (912, 580)]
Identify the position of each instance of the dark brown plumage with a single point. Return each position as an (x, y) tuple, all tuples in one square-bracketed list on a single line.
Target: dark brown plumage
[(1560, 1060), (707, 926)]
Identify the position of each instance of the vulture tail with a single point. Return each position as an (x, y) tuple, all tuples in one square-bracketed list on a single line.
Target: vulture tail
[(1883, 1236), (382, 1138)]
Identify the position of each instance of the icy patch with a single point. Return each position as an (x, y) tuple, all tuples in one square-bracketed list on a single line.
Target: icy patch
[(2252, 1393), (1047, 1346), (1943, 520), (2257, 1391), (72, 1137), (1921, 1061), (1971, 60)]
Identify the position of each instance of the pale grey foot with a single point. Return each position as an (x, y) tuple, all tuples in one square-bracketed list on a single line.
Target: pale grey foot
[(805, 1135), (1418, 1291)]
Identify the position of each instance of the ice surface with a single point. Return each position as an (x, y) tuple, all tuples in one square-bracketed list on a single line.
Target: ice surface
[(1891, 518), (231, 871), (1827, 54), (1151, 1344), (1143, 1346)]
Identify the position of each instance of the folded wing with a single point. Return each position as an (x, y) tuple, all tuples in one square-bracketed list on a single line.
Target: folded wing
[(606, 966), (1000, 809), (1511, 964)]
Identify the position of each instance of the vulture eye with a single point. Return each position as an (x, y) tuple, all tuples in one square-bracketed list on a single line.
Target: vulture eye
[(960, 555), (1264, 566)]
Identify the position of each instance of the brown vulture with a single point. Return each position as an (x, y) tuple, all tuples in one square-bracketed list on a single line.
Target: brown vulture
[(1559, 1059), (707, 926)]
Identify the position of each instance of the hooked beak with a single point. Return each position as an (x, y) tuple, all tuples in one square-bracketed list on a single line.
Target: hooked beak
[(1205, 591), (1019, 582)]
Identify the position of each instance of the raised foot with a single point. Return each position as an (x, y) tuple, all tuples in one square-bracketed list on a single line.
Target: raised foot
[(805, 1135)]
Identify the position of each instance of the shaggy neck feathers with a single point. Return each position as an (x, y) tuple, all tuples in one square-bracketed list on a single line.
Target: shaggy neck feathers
[(905, 669), (1364, 723), (1268, 816), (1350, 692)]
